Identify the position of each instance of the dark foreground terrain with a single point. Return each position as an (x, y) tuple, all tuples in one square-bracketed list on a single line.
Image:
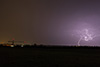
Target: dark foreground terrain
[(49, 57)]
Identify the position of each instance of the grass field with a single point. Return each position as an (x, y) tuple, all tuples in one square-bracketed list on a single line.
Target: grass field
[(49, 57)]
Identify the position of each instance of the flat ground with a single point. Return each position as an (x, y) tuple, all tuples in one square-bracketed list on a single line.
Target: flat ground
[(49, 57)]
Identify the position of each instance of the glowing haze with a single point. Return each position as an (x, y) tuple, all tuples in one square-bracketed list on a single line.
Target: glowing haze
[(52, 22)]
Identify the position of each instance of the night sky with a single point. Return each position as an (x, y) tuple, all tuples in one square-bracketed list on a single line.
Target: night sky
[(51, 22)]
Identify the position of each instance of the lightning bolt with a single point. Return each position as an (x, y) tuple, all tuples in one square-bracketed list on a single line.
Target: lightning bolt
[(85, 35)]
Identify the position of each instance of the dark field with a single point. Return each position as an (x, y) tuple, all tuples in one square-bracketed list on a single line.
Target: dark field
[(49, 57)]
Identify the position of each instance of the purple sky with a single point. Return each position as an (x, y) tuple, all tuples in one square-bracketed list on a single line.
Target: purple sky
[(48, 21)]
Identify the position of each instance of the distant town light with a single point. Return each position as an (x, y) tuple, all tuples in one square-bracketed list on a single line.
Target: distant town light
[(12, 45)]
